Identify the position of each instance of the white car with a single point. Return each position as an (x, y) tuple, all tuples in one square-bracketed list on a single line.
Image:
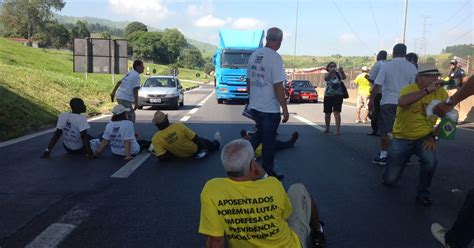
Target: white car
[(161, 91)]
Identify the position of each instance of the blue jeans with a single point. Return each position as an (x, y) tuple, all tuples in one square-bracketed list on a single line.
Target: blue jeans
[(401, 151), (267, 126)]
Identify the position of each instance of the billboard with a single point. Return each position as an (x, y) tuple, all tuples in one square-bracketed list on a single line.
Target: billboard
[(94, 55)]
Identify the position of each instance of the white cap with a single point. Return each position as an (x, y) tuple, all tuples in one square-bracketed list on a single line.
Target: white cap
[(118, 109)]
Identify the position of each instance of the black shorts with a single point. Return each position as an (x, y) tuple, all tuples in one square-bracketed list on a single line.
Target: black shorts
[(332, 103)]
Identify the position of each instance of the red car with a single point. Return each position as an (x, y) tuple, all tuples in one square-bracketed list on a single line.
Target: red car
[(301, 91)]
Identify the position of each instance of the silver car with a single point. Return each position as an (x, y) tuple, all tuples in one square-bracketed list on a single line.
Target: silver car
[(161, 91)]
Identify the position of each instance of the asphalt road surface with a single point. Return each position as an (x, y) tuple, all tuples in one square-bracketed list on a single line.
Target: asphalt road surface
[(69, 201)]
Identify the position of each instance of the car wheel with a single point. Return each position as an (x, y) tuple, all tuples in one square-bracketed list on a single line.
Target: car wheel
[(176, 105), (181, 104), (220, 101), (140, 107)]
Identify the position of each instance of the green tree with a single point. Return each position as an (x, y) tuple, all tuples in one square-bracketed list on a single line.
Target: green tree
[(105, 35), (54, 35), (149, 46), (27, 17), (80, 31), (191, 58), (134, 27), (209, 67), (174, 42)]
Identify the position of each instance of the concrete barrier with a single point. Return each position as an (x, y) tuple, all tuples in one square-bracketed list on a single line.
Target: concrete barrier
[(465, 108)]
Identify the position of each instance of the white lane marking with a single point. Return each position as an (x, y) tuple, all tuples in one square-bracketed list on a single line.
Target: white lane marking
[(30, 136), (52, 236), (185, 118), (194, 110), (131, 166), (310, 123)]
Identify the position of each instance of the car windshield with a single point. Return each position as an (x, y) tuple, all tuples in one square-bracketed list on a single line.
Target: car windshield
[(160, 82), (302, 84), (235, 60)]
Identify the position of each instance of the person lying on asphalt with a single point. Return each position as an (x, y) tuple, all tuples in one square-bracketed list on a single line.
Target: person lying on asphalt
[(177, 140)]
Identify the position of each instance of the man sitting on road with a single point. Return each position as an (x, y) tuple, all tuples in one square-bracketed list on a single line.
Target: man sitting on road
[(73, 126), (250, 209), (179, 141), (279, 145), (413, 131)]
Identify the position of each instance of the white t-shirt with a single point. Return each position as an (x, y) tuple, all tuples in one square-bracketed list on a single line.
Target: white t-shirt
[(393, 76), (129, 82), (376, 69), (264, 70), (72, 125), (118, 131)]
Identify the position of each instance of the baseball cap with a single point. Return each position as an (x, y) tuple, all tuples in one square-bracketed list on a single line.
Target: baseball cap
[(454, 62), (428, 69), (365, 68), (118, 109), (159, 117)]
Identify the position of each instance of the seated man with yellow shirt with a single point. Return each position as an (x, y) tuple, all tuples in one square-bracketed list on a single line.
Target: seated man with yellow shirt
[(177, 140), (250, 209), (413, 131), (362, 80)]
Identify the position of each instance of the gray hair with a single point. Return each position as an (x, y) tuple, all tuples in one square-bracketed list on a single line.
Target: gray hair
[(236, 157), (274, 34)]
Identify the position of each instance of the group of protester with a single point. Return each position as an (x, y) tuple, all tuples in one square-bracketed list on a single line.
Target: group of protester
[(250, 208)]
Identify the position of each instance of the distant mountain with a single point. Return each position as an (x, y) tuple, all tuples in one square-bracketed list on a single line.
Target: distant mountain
[(207, 50)]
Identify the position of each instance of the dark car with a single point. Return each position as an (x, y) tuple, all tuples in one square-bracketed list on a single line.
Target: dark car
[(301, 91)]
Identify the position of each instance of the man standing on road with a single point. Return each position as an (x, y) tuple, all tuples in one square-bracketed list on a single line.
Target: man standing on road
[(265, 77), (250, 209), (393, 76), (128, 89), (73, 127), (456, 73), (363, 85), (375, 97), (413, 131)]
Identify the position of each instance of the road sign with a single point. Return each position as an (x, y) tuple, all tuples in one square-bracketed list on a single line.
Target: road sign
[(93, 55)]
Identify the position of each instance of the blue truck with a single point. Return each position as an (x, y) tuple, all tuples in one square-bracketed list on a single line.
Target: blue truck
[(231, 60)]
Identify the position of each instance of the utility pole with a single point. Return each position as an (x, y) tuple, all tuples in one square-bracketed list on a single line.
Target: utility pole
[(296, 35), (423, 42), (405, 21)]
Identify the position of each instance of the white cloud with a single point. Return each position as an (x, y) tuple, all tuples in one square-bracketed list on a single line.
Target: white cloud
[(347, 38), (210, 21), (200, 10), (141, 10), (247, 23)]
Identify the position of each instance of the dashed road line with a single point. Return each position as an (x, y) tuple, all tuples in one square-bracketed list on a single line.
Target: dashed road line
[(310, 123), (131, 166), (185, 118), (194, 110)]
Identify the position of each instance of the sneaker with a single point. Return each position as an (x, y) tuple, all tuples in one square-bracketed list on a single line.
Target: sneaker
[(151, 148), (218, 137), (294, 137), (358, 121), (317, 238), (372, 134), (424, 200), (379, 161), (439, 233)]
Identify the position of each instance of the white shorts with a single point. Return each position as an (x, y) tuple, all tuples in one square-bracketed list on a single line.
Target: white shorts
[(301, 216), (362, 101)]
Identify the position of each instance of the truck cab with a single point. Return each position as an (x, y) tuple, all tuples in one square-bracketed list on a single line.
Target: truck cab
[(231, 60)]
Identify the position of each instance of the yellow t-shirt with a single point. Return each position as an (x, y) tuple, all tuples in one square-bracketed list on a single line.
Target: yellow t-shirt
[(364, 84), (177, 139), (248, 214), (411, 122)]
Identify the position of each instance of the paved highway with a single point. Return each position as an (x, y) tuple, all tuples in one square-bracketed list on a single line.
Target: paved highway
[(69, 201)]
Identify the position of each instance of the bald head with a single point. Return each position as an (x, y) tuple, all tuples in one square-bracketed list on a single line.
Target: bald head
[(274, 38)]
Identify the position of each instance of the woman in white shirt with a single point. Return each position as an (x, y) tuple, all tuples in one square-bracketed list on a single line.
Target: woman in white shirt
[(120, 133)]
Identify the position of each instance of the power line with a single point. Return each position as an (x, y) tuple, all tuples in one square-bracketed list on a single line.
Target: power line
[(375, 20), (456, 12), (348, 24), (461, 22), (462, 36)]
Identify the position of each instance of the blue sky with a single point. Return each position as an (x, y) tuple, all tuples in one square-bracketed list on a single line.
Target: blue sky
[(346, 27)]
